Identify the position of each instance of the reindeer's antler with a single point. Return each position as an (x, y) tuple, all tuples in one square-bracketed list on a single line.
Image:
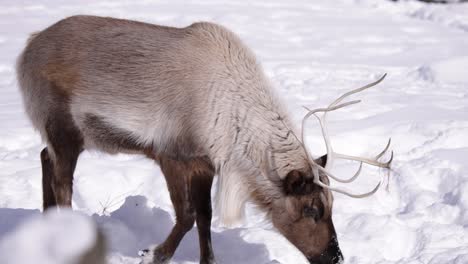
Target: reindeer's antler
[(331, 154)]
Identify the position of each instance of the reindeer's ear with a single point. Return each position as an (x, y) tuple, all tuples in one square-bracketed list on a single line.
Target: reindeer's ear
[(322, 161), (294, 183)]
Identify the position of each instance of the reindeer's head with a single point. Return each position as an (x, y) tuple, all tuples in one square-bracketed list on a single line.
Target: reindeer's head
[(303, 213), (303, 216)]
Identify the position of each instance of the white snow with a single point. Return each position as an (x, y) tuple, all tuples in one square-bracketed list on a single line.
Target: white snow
[(313, 51), (55, 238)]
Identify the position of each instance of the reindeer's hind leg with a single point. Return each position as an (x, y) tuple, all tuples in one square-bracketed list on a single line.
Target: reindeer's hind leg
[(48, 198), (64, 144)]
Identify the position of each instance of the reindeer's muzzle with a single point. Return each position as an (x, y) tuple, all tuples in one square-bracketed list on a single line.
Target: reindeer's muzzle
[(332, 255)]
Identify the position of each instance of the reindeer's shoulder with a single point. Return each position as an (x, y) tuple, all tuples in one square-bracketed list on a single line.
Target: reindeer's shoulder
[(210, 27), (224, 45), (215, 33)]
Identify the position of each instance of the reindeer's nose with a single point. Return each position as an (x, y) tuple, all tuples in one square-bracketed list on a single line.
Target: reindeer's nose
[(332, 255)]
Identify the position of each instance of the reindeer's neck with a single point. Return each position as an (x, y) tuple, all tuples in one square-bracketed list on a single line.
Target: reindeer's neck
[(246, 124), (285, 152), (249, 122), (270, 133), (284, 149), (241, 177)]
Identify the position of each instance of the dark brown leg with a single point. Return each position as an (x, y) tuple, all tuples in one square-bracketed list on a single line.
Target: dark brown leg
[(201, 197), (65, 144), (177, 178), (48, 197), (62, 183)]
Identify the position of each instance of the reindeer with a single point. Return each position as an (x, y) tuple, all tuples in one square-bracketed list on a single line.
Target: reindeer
[(196, 101)]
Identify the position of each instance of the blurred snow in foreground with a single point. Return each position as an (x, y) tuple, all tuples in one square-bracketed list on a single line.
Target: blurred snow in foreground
[(54, 238)]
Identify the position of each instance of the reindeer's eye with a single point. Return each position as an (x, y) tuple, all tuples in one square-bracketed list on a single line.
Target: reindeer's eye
[(312, 212)]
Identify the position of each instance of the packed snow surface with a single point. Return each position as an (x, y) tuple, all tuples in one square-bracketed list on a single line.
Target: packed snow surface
[(313, 51)]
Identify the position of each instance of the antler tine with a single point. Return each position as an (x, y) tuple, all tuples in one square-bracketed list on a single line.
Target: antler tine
[(357, 90), (325, 109), (319, 183), (329, 174), (322, 121), (324, 118), (367, 160), (342, 156), (385, 150)]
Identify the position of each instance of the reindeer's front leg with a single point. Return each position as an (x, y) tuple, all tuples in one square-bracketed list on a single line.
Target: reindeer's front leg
[(201, 188), (177, 179)]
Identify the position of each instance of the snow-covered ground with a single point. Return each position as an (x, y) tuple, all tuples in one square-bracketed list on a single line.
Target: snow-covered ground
[(313, 51)]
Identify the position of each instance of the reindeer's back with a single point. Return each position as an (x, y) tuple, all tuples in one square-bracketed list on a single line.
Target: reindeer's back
[(154, 83)]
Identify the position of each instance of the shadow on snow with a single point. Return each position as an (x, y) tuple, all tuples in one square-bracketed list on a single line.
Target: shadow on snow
[(135, 226)]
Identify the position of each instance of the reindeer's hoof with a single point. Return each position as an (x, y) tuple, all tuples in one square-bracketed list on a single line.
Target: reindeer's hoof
[(145, 256), (143, 252), (153, 256), (210, 261)]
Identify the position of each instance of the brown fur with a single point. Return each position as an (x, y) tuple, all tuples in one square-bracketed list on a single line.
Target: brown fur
[(64, 76)]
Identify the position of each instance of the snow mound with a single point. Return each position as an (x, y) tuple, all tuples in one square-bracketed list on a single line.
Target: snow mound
[(452, 70), (53, 238), (445, 71)]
